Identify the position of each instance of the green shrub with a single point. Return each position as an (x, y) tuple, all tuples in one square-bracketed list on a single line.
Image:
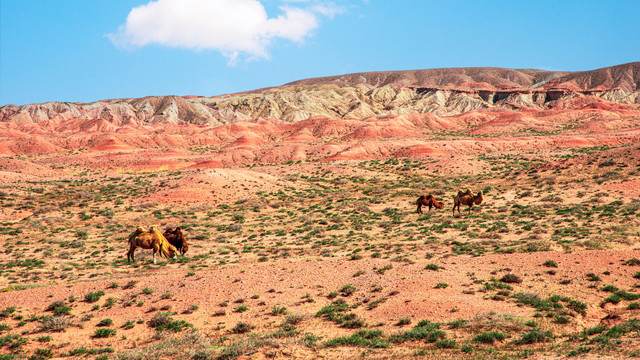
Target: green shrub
[(578, 306), (614, 299), (104, 333), (511, 279), (489, 337), (44, 338), (278, 310), (93, 296), (105, 322), (627, 295), (609, 288), (162, 321), (433, 267), (7, 312), (241, 328), (446, 344), (467, 349), (128, 325), (347, 290), (241, 308), (593, 277), (424, 330), (535, 336), (533, 300), (4, 327), (59, 308), (458, 324), (363, 338), (175, 326), (578, 351), (350, 321)]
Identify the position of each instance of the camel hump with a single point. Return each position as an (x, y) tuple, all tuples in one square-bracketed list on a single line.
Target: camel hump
[(429, 197), (465, 192)]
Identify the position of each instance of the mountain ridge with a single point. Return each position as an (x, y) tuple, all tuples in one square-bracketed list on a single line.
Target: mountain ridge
[(443, 92)]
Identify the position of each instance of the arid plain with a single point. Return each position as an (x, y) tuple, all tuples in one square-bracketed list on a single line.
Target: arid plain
[(299, 207)]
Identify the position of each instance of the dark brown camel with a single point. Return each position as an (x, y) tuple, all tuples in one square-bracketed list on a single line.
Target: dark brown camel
[(428, 200), (177, 239), (466, 198)]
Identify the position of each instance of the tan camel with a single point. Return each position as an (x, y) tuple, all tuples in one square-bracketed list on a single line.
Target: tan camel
[(152, 239), (466, 198)]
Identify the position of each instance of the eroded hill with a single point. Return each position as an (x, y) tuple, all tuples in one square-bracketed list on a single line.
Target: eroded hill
[(442, 92)]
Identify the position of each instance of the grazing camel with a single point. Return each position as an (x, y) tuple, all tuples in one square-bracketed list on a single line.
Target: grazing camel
[(466, 198), (428, 200), (177, 239), (152, 239)]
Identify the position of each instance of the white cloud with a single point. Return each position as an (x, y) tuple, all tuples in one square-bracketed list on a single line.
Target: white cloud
[(233, 27)]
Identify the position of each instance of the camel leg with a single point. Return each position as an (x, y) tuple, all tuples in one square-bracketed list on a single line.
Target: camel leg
[(130, 254), (419, 209), (156, 249)]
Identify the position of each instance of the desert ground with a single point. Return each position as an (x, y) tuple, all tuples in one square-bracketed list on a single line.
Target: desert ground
[(304, 241)]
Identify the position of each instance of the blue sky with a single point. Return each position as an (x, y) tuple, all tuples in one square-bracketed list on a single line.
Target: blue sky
[(89, 50)]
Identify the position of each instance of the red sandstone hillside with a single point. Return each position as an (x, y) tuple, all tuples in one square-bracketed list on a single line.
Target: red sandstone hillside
[(393, 114)]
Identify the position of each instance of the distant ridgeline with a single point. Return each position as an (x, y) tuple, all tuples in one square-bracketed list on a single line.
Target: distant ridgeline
[(442, 92)]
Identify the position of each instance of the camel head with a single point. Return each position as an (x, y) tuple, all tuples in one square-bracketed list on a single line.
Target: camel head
[(168, 250), (438, 204), (173, 252), (478, 198), (182, 240)]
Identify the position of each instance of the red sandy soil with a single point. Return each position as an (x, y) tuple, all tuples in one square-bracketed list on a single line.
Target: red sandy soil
[(292, 280)]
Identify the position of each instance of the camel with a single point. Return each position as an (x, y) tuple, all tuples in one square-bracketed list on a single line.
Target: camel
[(152, 239), (466, 198), (177, 239), (429, 201)]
